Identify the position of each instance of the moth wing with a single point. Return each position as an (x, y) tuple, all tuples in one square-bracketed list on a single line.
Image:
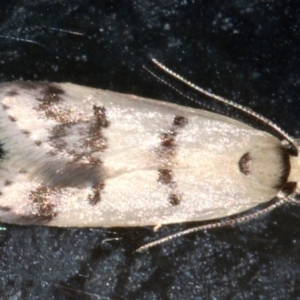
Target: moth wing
[(85, 157)]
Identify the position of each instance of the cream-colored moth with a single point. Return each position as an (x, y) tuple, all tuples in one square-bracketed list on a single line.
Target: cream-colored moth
[(77, 156)]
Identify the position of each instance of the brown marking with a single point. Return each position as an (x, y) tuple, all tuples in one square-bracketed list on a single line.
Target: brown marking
[(55, 113), (51, 94), (26, 132), (58, 135), (8, 182), (12, 93), (22, 171), (245, 163), (13, 119), (5, 107), (50, 97), (100, 115), (5, 208), (85, 149), (52, 153), (38, 143), (165, 176), (174, 199), (95, 198), (167, 155), (168, 139), (95, 140), (44, 210), (180, 121)]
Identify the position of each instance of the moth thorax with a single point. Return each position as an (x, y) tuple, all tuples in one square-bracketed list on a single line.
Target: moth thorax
[(267, 166)]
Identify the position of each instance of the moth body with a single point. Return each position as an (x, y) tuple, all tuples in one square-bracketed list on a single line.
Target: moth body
[(77, 156)]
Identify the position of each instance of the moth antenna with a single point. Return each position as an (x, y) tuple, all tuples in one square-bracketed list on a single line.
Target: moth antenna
[(180, 92), (21, 40), (280, 132), (64, 30), (226, 222)]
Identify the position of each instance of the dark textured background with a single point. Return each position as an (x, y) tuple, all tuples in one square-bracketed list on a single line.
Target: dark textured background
[(247, 51)]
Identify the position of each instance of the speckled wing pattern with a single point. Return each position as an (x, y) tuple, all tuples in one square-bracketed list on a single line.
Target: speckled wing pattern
[(77, 156)]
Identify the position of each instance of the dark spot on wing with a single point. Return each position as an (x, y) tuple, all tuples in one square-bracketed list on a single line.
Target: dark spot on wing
[(101, 117), (245, 163), (95, 141), (5, 208), (168, 139), (43, 209), (167, 155), (50, 94), (13, 119), (22, 171), (26, 132), (8, 182), (174, 199), (38, 143), (96, 194), (180, 121), (165, 176), (50, 103), (5, 107), (12, 93)]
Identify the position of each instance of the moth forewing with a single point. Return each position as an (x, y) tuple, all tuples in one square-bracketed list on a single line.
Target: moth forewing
[(79, 156)]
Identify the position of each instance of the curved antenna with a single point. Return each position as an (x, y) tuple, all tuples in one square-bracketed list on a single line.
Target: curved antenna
[(292, 143), (180, 92), (21, 40), (216, 224)]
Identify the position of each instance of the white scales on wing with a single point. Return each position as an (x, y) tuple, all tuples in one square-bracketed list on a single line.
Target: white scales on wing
[(78, 156)]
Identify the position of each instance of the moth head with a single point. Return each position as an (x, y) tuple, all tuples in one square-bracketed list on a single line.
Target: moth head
[(292, 188)]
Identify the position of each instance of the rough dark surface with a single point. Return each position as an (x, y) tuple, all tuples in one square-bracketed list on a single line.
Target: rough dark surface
[(247, 51)]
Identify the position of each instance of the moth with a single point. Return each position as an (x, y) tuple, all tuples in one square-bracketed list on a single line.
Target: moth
[(77, 156)]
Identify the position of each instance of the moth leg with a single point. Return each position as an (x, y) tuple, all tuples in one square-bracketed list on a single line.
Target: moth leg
[(157, 227)]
